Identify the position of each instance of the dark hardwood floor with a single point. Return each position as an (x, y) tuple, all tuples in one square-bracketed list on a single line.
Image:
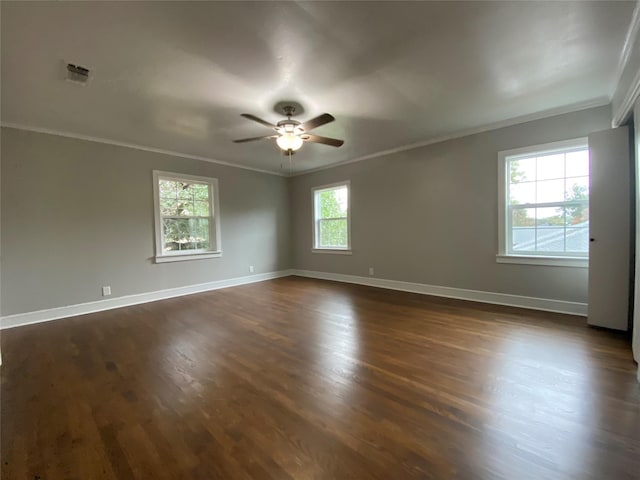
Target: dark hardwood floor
[(306, 379)]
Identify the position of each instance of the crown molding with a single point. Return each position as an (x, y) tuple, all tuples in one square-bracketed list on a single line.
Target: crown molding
[(621, 113), (597, 102), (134, 146), (629, 41), (626, 106)]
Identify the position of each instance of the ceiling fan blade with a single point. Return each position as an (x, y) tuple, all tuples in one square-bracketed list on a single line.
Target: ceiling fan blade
[(242, 140), (334, 142), (317, 121), (259, 120)]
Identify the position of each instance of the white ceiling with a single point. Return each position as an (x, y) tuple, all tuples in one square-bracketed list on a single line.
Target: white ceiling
[(177, 75)]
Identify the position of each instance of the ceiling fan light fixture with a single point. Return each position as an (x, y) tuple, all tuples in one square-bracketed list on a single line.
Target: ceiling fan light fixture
[(289, 141)]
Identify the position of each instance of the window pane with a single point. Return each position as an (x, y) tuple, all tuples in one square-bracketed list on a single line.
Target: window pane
[(523, 170), (199, 233), (168, 206), (577, 188), (550, 166), (333, 233), (523, 239), (177, 199), (174, 231), (578, 239), (578, 216), (549, 217), (185, 234), (201, 209), (550, 191), (522, 193), (185, 208), (332, 203), (523, 217), (167, 189), (550, 239), (578, 164), (200, 191), (185, 191)]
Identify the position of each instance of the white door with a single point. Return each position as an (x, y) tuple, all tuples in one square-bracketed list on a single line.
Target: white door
[(609, 228)]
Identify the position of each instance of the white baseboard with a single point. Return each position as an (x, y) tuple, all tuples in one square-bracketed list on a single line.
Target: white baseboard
[(550, 305), (28, 318), (546, 304)]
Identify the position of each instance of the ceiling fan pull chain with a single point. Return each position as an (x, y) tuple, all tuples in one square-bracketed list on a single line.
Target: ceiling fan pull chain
[(290, 164)]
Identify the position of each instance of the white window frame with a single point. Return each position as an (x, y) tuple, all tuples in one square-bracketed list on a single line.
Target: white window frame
[(314, 219), (215, 249), (504, 256)]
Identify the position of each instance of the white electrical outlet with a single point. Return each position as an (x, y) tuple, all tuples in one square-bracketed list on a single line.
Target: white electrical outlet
[(106, 291), (370, 270), (250, 268)]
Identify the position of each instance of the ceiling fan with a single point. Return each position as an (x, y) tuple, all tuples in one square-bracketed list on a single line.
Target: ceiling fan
[(291, 134)]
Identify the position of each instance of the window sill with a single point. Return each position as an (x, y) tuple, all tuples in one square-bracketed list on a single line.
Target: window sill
[(334, 251), (579, 262), (188, 256)]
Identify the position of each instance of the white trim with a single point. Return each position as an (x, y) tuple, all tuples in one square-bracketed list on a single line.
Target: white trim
[(626, 106), (214, 226), (598, 102), (578, 262), (135, 146), (545, 148), (314, 214), (28, 318), (334, 251), (187, 256), (533, 303), (502, 203)]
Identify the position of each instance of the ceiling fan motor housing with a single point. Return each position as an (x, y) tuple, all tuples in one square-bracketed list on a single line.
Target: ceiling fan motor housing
[(289, 126)]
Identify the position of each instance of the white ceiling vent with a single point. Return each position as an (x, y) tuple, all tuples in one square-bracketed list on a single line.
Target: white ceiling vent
[(77, 73)]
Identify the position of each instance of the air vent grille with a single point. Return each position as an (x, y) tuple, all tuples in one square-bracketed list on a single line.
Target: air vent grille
[(77, 73)]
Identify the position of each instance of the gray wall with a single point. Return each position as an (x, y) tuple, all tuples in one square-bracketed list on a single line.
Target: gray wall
[(77, 215), (430, 215)]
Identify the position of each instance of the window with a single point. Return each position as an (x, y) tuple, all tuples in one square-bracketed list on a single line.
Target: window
[(187, 218), (331, 222), (544, 204)]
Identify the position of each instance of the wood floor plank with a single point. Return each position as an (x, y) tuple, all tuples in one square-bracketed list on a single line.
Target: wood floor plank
[(306, 379)]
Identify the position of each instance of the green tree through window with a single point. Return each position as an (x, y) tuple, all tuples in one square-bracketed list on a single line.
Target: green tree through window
[(184, 208), (331, 217)]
